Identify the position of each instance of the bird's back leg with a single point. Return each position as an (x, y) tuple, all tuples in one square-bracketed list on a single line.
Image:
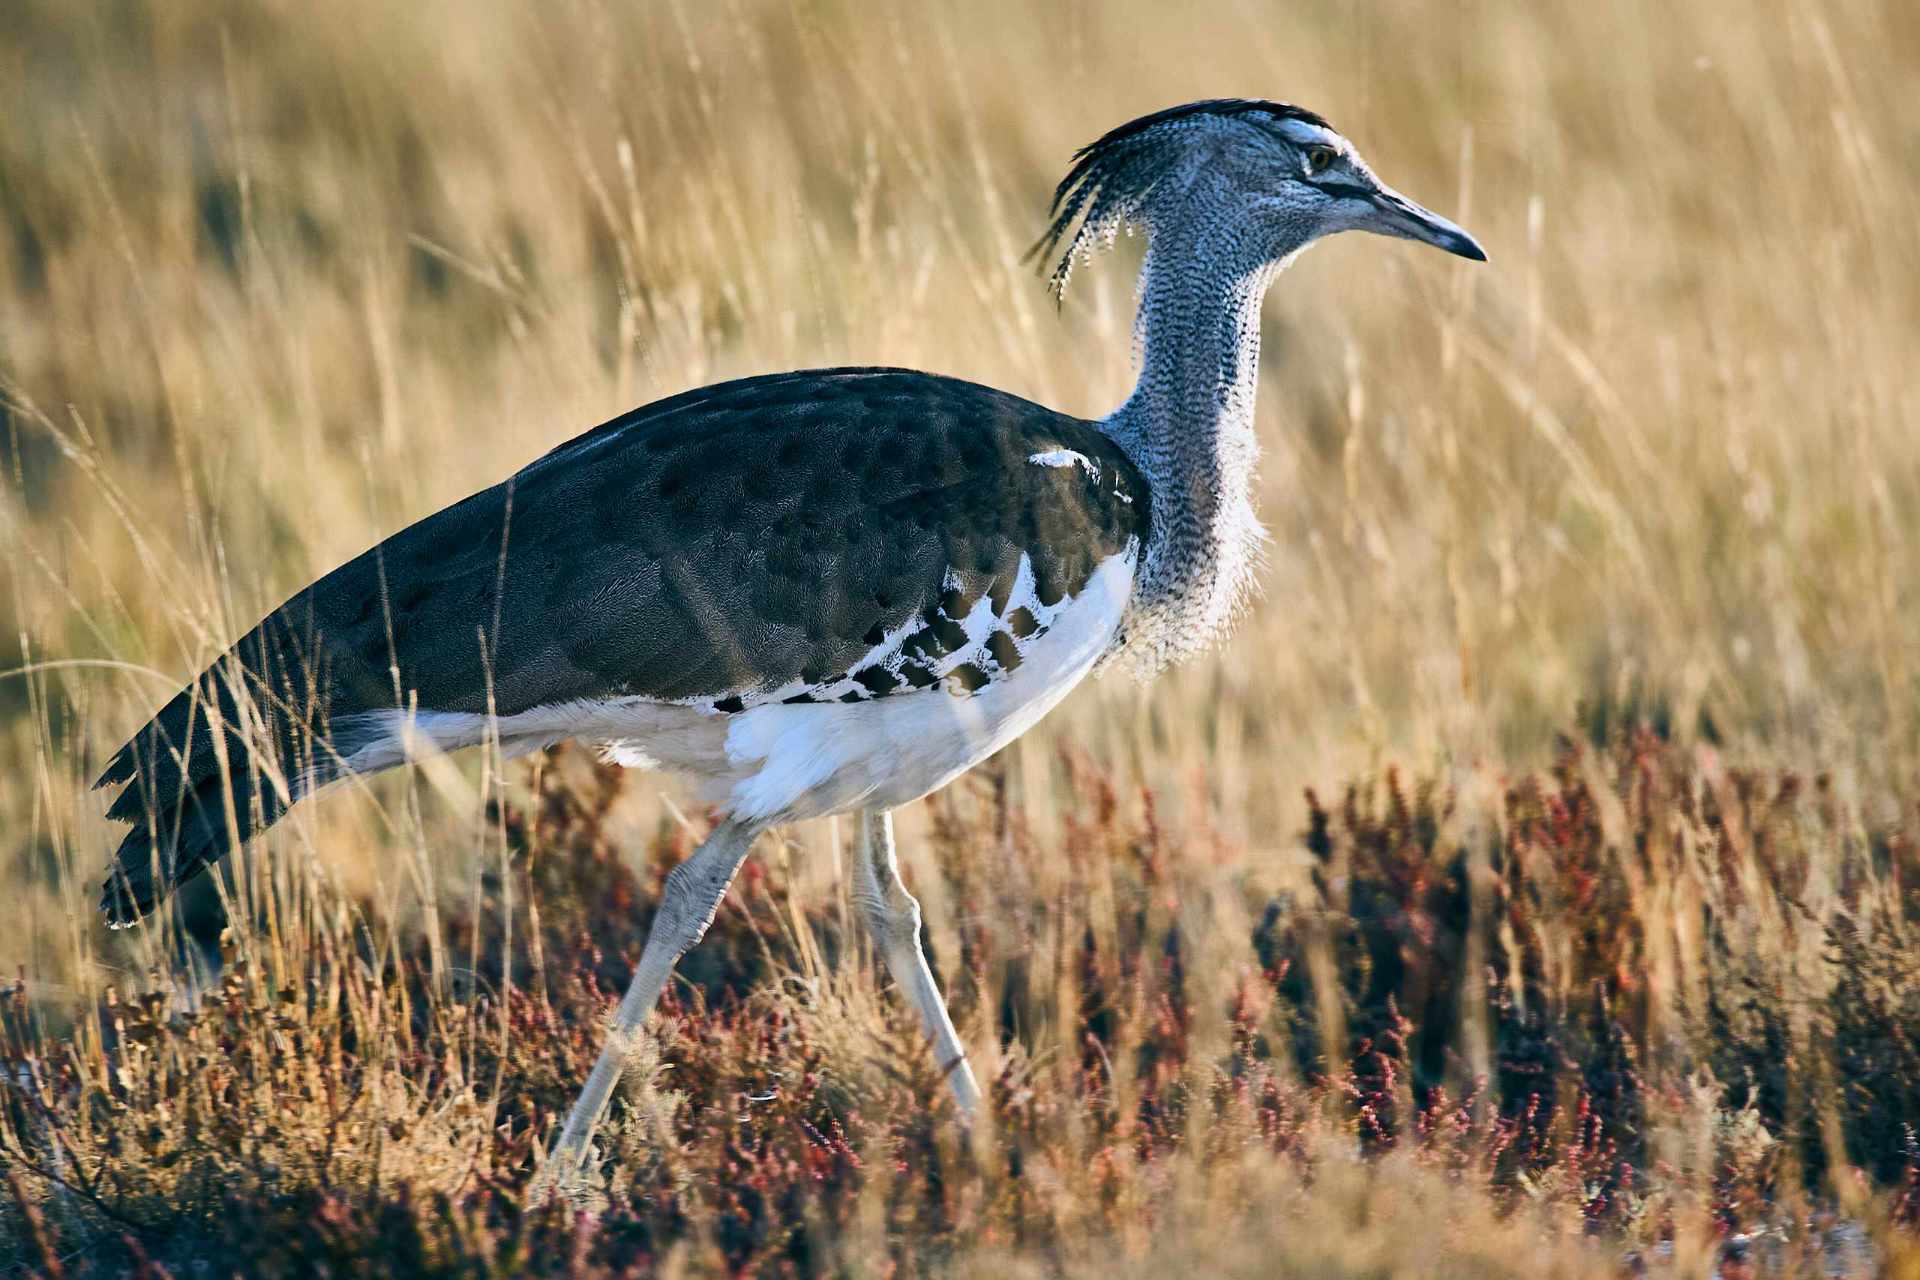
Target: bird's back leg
[(893, 917), (687, 906)]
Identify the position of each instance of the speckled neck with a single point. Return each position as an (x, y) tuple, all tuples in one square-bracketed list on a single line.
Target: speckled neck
[(1188, 426)]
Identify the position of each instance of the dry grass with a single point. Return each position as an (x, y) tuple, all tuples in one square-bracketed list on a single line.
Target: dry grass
[(275, 279)]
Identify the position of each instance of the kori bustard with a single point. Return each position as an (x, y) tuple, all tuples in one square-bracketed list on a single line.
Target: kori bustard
[(812, 593)]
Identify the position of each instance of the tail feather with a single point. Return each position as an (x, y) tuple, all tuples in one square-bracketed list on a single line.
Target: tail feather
[(229, 738), (168, 848)]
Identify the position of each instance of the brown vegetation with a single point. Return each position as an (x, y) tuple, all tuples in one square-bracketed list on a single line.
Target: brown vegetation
[(1629, 1006)]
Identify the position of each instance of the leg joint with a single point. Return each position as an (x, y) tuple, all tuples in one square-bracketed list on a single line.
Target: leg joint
[(691, 898), (891, 912)]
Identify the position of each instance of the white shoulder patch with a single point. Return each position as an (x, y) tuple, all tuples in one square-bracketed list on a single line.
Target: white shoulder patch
[(1065, 458)]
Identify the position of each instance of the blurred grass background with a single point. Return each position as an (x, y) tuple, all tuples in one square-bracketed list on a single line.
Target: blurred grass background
[(276, 279)]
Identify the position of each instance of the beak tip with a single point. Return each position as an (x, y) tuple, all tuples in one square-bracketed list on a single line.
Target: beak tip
[(1399, 216), (1458, 242)]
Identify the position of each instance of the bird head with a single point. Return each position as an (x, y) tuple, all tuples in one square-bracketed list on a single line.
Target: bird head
[(1273, 177)]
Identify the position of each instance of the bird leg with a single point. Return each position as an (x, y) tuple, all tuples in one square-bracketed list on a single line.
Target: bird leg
[(688, 904), (893, 917)]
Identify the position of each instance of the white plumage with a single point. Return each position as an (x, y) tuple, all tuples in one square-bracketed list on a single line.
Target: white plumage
[(778, 761)]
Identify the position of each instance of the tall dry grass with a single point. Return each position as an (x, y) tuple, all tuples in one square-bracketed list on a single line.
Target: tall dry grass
[(276, 279)]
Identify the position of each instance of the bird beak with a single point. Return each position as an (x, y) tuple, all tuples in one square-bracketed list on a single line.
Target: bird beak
[(1395, 215)]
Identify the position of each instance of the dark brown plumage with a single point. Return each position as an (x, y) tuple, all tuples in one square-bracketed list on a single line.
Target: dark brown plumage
[(737, 538)]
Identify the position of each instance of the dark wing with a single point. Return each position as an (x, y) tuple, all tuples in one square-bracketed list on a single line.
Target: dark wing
[(729, 541)]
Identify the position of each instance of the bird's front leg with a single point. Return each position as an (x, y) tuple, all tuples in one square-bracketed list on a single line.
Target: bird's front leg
[(893, 917)]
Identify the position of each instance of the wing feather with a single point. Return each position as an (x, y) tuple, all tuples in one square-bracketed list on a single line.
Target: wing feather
[(736, 539)]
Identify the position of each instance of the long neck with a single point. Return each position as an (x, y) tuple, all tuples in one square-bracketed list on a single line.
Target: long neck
[(1188, 426)]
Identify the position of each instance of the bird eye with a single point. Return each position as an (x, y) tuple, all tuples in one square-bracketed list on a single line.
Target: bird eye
[(1320, 159)]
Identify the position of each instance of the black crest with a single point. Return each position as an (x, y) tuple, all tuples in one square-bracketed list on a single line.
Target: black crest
[(1112, 176)]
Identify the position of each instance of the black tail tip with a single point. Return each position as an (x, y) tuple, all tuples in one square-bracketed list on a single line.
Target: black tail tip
[(121, 902), (118, 770)]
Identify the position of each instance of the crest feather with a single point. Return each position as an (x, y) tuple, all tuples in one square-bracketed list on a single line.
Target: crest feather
[(1112, 176)]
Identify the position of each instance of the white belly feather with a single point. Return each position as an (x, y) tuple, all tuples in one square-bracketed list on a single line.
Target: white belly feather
[(783, 762)]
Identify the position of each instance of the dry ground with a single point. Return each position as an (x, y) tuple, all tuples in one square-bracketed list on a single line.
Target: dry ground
[(1589, 618)]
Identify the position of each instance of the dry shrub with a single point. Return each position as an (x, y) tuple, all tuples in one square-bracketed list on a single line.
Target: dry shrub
[(1160, 1089)]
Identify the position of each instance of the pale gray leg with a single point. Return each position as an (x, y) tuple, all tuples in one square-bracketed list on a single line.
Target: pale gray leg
[(687, 906), (893, 917)]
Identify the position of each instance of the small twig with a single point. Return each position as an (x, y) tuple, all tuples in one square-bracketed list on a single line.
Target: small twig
[(85, 1193), (36, 1228)]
